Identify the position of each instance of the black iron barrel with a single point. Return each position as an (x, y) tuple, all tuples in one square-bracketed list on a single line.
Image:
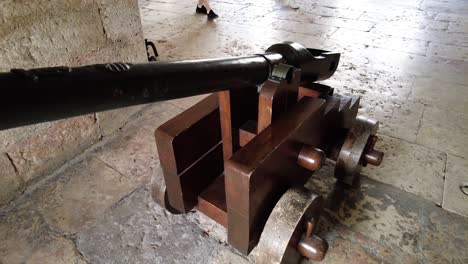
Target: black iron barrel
[(46, 94)]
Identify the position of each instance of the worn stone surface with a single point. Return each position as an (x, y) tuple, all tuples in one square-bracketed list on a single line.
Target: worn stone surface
[(10, 136), (78, 195), (26, 238), (47, 27), (346, 245), (376, 224), (457, 176), (381, 41), (397, 118), (444, 130), (113, 120), (121, 20), (448, 51), (39, 34), (391, 225), (133, 152), (410, 167), (72, 33), (10, 183), (45, 151), (58, 250), (115, 51), (139, 231), (448, 96)]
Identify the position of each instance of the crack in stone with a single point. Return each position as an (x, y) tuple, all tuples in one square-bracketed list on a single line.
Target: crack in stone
[(114, 169), (102, 21), (121, 200), (71, 237), (444, 179), (97, 122), (420, 121), (12, 163)]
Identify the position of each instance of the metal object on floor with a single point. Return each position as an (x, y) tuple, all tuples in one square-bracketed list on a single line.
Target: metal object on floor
[(241, 157), (151, 49)]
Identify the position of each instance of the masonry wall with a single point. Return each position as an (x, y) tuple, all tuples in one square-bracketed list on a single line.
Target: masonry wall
[(51, 33)]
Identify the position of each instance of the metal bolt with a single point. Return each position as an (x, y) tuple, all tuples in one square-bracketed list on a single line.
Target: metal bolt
[(372, 156), (311, 158), (312, 246)]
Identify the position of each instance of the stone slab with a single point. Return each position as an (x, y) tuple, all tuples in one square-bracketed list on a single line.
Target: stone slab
[(244, 14), (80, 194), (137, 230), (49, 27), (397, 118), (26, 238), (405, 227), (392, 6), (444, 130), (460, 25), (183, 8), (406, 16), (455, 7), (113, 120), (451, 52), (417, 22), (330, 11), (133, 152), (410, 167), (50, 148), (306, 28), (358, 25), (372, 225), (450, 71), (451, 17), (121, 20), (10, 136), (382, 40), (457, 175), (58, 250), (289, 15), (56, 33), (438, 36), (443, 94)]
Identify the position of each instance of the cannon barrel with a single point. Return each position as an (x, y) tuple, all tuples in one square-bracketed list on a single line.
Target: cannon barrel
[(46, 94)]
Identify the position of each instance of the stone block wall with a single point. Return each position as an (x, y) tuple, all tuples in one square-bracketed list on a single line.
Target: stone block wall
[(52, 33)]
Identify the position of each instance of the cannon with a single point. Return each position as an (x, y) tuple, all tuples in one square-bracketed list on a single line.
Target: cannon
[(242, 155)]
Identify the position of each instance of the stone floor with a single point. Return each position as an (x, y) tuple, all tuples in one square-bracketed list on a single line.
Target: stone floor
[(407, 59)]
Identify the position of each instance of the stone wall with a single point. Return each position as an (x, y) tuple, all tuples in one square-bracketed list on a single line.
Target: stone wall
[(52, 33)]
